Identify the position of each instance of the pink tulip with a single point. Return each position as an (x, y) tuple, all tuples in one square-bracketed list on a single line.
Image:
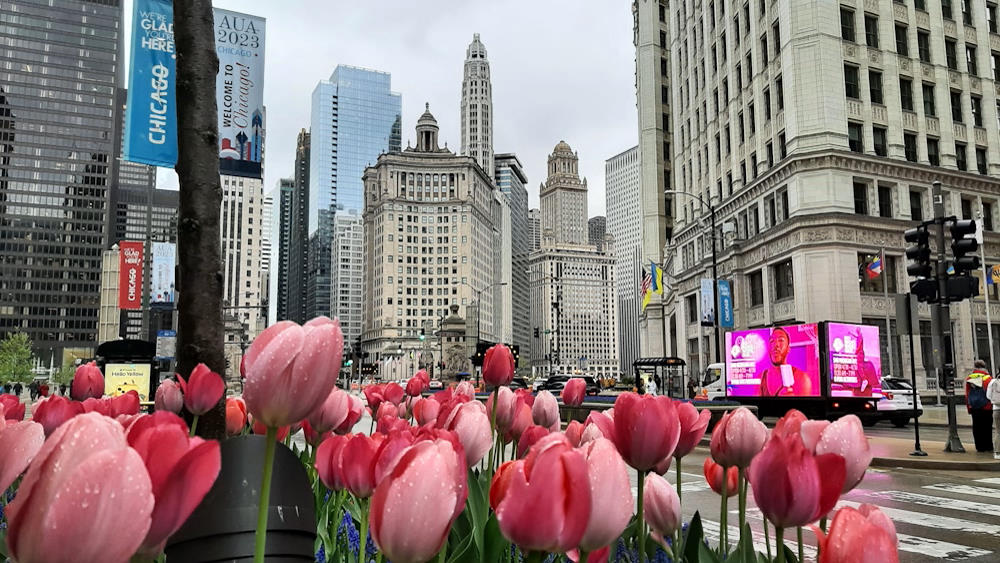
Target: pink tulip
[(427, 485), (354, 412), (791, 486), (236, 416), (573, 392), (259, 429), (84, 473), (374, 395), (530, 437), (54, 411), (574, 433), (525, 396), (169, 397), (790, 424), (12, 407), (611, 494), (506, 401), (646, 429), (312, 437), (846, 438), (545, 411), (394, 393), (20, 442), (357, 464), (811, 430), (737, 438), (332, 412), (422, 375), (426, 410), (387, 409), (181, 469), (470, 422), (466, 389), (415, 386), (88, 381), (544, 502), (390, 451), (714, 475), (328, 458), (864, 535), (522, 420), (498, 366), (661, 506), (125, 404), (693, 426), (291, 370), (598, 424), (202, 390)]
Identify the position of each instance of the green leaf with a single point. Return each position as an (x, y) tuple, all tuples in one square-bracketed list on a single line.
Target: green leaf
[(694, 539), (463, 552), (791, 555), (478, 508), (744, 552), (494, 544)]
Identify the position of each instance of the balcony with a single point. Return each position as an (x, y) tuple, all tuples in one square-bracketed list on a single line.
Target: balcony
[(933, 126), (854, 108), (898, 11), (960, 132), (980, 136), (880, 114)]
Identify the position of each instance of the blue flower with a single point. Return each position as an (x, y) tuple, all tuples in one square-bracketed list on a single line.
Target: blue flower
[(321, 555), (347, 527)]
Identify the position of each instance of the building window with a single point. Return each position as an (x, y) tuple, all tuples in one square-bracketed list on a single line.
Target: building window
[(928, 91), (946, 9), (871, 31), (970, 60), (776, 30), (784, 280), (924, 45), (981, 160), (861, 198), (880, 141), (847, 24), (991, 16), (767, 104), (873, 284), (951, 53), (691, 307), (966, 208), (920, 5), (875, 86), (756, 283), (995, 63), (916, 206), (961, 156), (910, 146), (977, 111), (763, 50), (956, 106), (987, 216), (770, 154), (967, 12), (902, 45), (933, 155), (855, 137), (885, 201), (906, 93), (851, 82), (779, 92), (782, 148)]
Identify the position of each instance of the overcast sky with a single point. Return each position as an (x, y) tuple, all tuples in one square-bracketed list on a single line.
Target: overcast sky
[(561, 70)]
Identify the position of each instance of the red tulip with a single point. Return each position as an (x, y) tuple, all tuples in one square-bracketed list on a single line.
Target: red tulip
[(85, 498), (12, 407), (693, 426), (332, 412), (181, 469), (393, 393), (169, 397), (357, 463), (611, 494), (661, 506), (530, 437), (236, 416), (101, 406), (574, 432), (472, 426), (791, 486), (646, 429), (328, 462), (19, 442), (202, 390), (389, 452), (737, 438), (124, 404), (291, 370), (415, 386), (522, 420), (387, 409), (53, 411), (545, 411), (427, 485), (389, 424), (500, 483), (573, 392), (355, 409), (546, 501), (846, 438), (525, 396), (374, 396), (88, 381), (713, 476), (865, 535), (426, 410), (790, 424), (498, 366)]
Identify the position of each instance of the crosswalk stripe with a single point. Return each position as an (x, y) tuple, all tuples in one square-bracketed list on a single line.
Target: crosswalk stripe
[(936, 502), (987, 492), (989, 480), (932, 520), (712, 528)]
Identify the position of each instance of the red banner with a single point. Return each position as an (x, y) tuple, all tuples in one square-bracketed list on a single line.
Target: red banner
[(129, 275)]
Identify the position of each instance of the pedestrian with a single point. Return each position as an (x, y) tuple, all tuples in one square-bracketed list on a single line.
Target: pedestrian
[(979, 406), (18, 389), (651, 386), (33, 390), (993, 394), (43, 390)]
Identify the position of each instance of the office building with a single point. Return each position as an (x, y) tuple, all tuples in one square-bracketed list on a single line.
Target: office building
[(535, 229), (816, 147), (286, 201), (298, 237), (512, 183), (624, 224), (244, 292), (477, 107), (58, 76), (572, 282), (346, 273), (597, 228)]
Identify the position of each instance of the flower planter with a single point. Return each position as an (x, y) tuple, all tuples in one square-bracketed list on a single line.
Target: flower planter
[(222, 527)]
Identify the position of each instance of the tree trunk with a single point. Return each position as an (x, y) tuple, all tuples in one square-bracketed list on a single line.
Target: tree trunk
[(200, 330)]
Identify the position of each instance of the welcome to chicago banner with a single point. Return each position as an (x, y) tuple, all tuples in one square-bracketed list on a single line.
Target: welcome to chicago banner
[(239, 42)]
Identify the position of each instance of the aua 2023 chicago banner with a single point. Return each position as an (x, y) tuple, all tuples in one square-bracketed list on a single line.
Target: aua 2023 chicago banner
[(151, 122)]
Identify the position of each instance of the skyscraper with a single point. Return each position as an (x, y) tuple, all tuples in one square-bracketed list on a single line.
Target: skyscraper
[(298, 241), (477, 107), (512, 182), (286, 201), (57, 138), (346, 273), (597, 228), (535, 229), (621, 181), (355, 118), (244, 290)]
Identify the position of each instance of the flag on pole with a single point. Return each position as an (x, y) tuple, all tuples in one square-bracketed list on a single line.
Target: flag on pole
[(645, 288), (874, 268), (657, 275)]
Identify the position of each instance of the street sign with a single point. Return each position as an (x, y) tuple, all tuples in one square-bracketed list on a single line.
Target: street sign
[(166, 342)]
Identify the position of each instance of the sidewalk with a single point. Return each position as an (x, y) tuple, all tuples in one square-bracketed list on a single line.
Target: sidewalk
[(895, 452), (937, 415)]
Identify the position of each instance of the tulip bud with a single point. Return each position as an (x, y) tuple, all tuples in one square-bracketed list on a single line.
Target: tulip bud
[(573, 392), (737, 438), (202, 390), (545, 411), (661, 506), (498, 366), (236, 416), (88, 381), (54, 411), (11, 407), (169, 397)]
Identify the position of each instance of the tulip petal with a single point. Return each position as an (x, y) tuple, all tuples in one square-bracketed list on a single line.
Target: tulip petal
[(20, 443), (189, 481)]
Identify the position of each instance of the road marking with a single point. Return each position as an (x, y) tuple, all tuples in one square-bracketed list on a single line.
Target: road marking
[(987, 492), (932, 520), (936, 502), (989, 481), (711, 529)]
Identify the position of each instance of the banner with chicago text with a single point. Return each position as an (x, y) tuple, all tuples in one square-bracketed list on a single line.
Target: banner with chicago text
[(151, 115), (239, 42)]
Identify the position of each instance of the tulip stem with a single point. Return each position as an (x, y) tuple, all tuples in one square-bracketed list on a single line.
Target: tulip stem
[(265, 494), (493, 431), (779, 543), (723, 535), (363, 550), (194, 426), (801, 549), (743, 500), (535, 557), (641, 528), (767, 539), (822, 524), (583, 557), (443, 553)]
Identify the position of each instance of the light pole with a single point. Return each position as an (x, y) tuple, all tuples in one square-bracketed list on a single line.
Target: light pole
[(479, 307), (715, 271)]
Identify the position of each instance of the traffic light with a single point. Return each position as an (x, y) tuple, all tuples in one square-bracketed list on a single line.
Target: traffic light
[(423, 334), (925, 287), (536, 332), (961, 284)]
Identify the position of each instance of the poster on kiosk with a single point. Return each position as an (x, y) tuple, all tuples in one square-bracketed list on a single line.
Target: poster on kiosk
[(855, 360), (773, 362)]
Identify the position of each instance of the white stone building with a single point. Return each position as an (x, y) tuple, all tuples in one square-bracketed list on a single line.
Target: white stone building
[(624, 225), (477, 107), (244, 271), (345, 273)]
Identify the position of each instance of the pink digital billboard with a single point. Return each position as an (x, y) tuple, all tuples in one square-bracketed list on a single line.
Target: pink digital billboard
[(855, 360), (773, 362)]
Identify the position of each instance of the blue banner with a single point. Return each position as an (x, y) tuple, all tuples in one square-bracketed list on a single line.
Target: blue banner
[(725, 304), (150, 117)]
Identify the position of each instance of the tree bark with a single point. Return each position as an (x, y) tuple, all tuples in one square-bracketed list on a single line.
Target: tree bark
[(200, 330)]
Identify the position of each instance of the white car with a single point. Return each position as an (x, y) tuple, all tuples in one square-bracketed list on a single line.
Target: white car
[(896, 405), (537, 383)]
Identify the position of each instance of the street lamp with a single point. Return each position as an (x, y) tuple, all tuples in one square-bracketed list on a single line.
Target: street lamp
[(715, 270)]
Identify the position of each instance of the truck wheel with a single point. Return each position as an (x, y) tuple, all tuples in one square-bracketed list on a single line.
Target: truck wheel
[(900, 422), (868, 421)]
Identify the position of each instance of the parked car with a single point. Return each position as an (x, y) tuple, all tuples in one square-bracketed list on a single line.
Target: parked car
[(536, 385), (519, 383), (556, 383), (436, 384), (896, 405)]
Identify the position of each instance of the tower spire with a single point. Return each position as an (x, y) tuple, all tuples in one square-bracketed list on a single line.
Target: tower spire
[(477, 107)]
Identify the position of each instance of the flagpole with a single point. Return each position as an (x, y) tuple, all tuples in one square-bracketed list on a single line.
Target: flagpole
[(888, 326)]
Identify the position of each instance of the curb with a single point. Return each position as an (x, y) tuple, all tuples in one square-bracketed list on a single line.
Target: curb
[(922, 463)]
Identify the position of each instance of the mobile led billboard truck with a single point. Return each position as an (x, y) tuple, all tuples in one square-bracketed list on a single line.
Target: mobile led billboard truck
[(823, 369)]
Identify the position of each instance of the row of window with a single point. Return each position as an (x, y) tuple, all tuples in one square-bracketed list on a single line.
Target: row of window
[(855, 135)]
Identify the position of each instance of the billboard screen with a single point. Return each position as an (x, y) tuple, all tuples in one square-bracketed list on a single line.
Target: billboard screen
[(129, 275), (122, 378), (161, 274), (855, 360), (239, 86), (773, 362)]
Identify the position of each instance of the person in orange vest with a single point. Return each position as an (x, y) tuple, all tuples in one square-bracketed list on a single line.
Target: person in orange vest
[(979, 406)]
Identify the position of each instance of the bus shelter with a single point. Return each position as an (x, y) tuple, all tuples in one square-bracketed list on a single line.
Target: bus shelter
[(669, 373)]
